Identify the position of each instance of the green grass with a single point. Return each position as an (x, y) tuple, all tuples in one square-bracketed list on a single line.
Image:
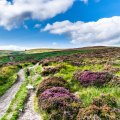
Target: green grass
[(86, 94), (40, 50), (42, 113), (9, 52), (35, 72), (37, 81), (8, 76), (6, 86)]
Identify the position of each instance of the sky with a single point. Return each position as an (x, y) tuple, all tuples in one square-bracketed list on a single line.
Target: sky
[(29, 24)]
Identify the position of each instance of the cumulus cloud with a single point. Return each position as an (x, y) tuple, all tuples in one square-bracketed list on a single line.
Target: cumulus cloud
[(105, 31), (86, 1), (12, 15), (12, 47)]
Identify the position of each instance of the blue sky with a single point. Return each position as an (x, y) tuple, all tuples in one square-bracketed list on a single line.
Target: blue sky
[(34, 29)]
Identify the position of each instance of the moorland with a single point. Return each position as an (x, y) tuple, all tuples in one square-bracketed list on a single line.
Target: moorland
[(56, 84)]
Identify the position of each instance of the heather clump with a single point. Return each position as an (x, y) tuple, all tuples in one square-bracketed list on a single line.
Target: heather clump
[(102, 108), (77, 74), (98, 113), (51, 70), (51, 82), (111, 69), (108, 100), (115, 81), (45, 62), (87, 78), (59, 103)]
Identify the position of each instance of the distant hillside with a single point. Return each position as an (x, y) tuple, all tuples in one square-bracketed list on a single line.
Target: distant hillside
[(32, 51), (9, 52), (41, 50)]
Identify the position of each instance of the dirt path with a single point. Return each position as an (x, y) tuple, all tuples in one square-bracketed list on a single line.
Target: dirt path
[(6, 99), (29, 113)]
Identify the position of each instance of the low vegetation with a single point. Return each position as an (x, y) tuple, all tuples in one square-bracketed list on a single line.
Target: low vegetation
[(72, 85), (51, 82), (102, 108), (8, 76), (37, 56), (59, 103), (93, 78)]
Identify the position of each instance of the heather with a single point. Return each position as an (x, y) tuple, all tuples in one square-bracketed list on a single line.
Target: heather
[(59, 103), (87, 78), (102, 108), (98, 113), (51, 82), (51, 70)]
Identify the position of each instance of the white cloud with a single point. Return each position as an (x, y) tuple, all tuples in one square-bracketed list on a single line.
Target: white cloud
[(12, 47), (105, 31), (86, 1), (37, 26), (11, 16)]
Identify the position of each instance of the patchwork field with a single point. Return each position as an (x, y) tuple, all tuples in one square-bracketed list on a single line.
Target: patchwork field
[(74, 84)]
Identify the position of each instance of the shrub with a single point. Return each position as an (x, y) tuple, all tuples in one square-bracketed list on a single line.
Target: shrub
[(75, 63), (59, 103), (51, 82), (8, 76), (98, 113), (76, 75), (105, 100), (102, 108), (115, 81), (87, 78), (51, 70), (45, 62)]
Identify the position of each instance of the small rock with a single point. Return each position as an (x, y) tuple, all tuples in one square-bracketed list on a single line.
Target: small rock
[(29, 87)]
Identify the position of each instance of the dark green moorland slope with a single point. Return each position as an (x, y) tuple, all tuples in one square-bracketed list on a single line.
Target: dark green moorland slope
[(38, 56)]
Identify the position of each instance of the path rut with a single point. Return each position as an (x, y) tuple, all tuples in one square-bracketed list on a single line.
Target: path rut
[(6, 99), (29, 113)]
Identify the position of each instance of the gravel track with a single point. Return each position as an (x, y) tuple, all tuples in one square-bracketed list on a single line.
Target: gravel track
[(6, 99), (29, 113)]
